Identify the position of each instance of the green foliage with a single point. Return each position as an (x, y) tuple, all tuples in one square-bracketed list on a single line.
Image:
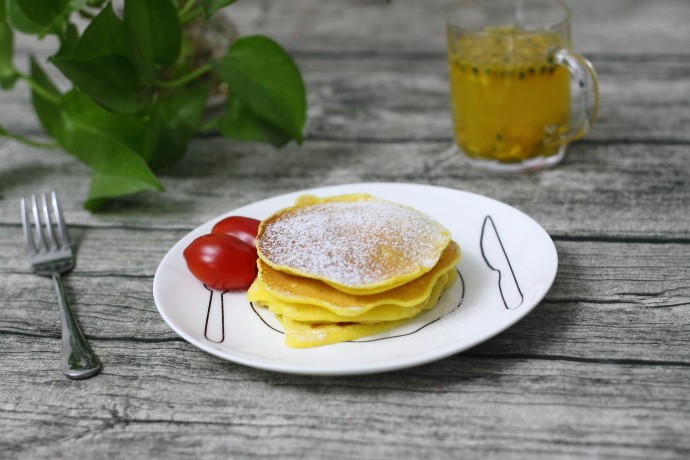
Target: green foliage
[(211, 6), (136, 100), (7, 73), (272, 88)]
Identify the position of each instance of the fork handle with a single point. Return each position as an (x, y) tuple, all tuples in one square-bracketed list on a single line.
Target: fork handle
[(78, 359)]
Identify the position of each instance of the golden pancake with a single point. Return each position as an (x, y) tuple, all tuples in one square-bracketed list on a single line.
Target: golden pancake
[(305, 334), (314, 314), (273, 286), (355, 243), (340, 268)]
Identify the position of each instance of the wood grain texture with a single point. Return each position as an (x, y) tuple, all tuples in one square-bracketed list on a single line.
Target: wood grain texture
[(600, 369)]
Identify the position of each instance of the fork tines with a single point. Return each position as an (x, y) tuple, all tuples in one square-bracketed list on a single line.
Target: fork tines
[(49, 230)]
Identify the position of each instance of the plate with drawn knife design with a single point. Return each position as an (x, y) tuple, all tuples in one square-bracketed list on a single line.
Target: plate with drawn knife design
[(508, 264)]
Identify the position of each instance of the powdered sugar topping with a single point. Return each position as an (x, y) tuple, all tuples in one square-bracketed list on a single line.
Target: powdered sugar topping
[(353, 243)]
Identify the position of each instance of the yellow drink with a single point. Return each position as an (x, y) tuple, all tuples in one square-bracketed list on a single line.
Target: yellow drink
[(510, 103)]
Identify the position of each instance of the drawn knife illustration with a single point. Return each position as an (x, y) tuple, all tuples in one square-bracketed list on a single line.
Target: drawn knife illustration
[(496, 258)]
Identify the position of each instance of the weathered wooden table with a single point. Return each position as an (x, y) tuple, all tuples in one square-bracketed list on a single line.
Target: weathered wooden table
[(600, 369)]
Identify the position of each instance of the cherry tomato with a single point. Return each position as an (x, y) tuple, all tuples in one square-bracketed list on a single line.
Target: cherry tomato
[(244, 228), (221, 261)]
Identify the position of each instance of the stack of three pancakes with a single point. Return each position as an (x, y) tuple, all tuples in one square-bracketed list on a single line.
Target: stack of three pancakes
[(340, 268)]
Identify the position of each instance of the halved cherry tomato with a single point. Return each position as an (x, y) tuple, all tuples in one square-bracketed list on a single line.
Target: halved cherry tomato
[(221, 261), (244, 228)]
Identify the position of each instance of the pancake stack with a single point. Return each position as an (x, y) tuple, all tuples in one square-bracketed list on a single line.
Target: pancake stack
[(344, 267)]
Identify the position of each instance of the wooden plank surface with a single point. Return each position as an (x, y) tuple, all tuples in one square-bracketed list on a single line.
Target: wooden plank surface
[(600, 369)]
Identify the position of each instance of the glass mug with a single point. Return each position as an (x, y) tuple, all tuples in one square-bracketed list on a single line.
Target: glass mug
[(518, 92)]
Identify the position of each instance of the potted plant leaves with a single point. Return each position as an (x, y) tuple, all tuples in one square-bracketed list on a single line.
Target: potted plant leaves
[(138, 92)]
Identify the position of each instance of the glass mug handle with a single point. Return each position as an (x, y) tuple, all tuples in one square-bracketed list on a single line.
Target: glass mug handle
[(584, 93)]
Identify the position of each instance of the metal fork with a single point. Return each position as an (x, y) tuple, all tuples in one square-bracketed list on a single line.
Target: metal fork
[(50, 254)]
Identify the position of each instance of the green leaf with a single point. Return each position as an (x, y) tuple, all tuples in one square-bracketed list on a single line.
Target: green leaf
[(154, 31), (174, 120), (113, 184), (127, 129), (9, 82), (241, 124), (49, 113), (111, 80), (267, 81), (211, 6), (68, 41), (87, 134), (21, 21), (76, 5), (105, 35), (98, 64), (41, 12), (8, 74)]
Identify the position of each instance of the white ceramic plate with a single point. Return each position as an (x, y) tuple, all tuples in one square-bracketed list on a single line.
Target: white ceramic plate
[(508, 265)]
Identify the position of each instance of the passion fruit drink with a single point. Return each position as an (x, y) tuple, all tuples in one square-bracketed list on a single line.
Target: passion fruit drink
[(510, 101)]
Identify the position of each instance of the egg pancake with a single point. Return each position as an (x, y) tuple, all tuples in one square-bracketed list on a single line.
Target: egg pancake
[(355, 243), (306, 335), (272, 286), (300, 334), (340, 268), (309, 313)]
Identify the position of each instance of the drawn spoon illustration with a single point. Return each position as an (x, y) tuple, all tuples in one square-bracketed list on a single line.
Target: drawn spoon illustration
[(496, 258)]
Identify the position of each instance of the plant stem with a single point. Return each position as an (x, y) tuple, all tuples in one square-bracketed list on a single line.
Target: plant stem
[(26, 141), (86, 14), (40, 90), (209, 126), (185, 78), (191, 14), (185, 9)]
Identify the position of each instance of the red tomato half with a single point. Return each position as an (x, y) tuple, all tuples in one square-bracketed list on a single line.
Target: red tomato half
[(221, 261), (244, 228)]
